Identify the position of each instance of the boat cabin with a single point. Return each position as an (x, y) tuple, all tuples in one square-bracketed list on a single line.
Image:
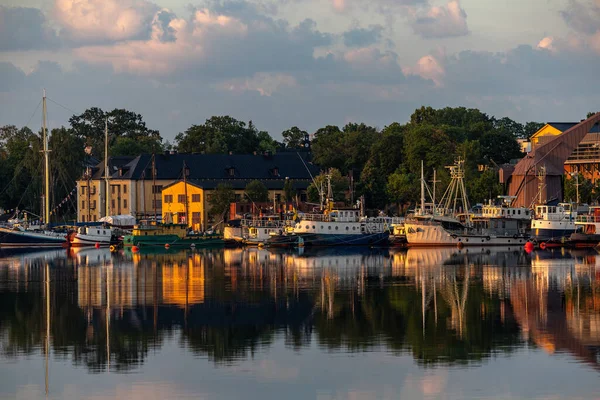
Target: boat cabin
[(559, 212), (491, 211)]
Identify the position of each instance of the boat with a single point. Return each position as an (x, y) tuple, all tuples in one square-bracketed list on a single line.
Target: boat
[(449, 225), (398, 236), (553, 225), (170, 235), (257, 231), (587, 229), (335, 227), (92, 236), (18, 236)]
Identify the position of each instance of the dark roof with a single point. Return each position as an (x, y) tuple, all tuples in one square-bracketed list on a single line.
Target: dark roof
[(564, 126), (114, 163), (240, 184), (216, 166)]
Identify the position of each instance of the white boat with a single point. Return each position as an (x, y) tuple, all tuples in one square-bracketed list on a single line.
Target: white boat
[(553, 223), (257, 231), (497, 225), (91, 236)]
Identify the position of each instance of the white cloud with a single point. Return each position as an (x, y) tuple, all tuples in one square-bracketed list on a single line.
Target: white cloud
[(429, 67), (97, 21), (440, 22)]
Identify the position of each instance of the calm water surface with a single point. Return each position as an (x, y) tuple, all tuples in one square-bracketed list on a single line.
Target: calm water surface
[(334, 324)]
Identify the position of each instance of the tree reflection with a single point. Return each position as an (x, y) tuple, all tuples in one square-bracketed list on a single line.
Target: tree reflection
[(439, 305)]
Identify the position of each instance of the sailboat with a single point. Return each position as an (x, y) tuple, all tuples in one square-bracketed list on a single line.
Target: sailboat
[(19, 236), (96, 235)]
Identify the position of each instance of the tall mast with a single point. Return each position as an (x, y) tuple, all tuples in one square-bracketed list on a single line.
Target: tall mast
[(422, 190), (154, 184), (106, 172), (433, 195), (187, 221), (46, 163)]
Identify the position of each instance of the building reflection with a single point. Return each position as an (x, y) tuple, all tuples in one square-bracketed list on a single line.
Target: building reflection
[(442, 305)]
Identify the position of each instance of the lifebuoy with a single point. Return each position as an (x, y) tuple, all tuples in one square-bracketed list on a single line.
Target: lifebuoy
[(112, 248), (488, 238), (543, 245)]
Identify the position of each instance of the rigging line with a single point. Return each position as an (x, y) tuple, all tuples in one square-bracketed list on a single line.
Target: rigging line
[(28, 186), (33, 115), (60, 105)]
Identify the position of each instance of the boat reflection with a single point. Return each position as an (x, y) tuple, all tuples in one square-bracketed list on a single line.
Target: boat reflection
[(442, 306)]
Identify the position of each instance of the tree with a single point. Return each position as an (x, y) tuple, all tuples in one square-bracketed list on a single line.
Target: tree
[(257, 192), (90, 126), (224, 134), (293, 138), (221, 198), (591, 114), (288, 190), (402, 188), (586, 189), (510, 127), (500, 147), (339, 186)]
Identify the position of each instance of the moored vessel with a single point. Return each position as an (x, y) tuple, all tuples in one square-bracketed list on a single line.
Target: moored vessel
[(171, 235)]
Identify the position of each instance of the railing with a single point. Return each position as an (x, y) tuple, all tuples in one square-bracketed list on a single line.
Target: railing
[(588, 218), (257, 223)]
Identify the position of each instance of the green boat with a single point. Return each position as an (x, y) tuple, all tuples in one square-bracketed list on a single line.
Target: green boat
[(170, 235)]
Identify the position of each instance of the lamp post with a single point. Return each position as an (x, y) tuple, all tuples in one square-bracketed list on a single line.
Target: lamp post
[(576, 175)]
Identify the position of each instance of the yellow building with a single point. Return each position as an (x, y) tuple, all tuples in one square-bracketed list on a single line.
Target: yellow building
[(198, 198)]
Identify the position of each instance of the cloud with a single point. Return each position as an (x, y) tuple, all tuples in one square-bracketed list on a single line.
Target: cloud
[(11, 77), (361, 37), (441, 22), (24, 29), (264, 83), (104, 21), (582, 16), (429, 67)]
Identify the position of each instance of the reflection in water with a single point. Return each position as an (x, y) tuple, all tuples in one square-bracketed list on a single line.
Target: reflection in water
[(443, 306)]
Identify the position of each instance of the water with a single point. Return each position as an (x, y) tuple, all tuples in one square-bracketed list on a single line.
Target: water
[(330, 324)]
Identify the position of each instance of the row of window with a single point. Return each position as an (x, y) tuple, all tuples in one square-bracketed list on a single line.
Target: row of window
[(329, 227), (93, 204), (93, 218), (114, 189), (196, 217), (181, 198)]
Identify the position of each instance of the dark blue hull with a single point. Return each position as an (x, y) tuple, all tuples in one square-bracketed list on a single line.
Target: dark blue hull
[(551, 234), (20, 239), (316, 239)]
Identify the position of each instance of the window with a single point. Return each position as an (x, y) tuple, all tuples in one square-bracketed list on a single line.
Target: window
[(124, 203), (168, 198), (195, 198), (83, 204), (238, 198), (181, 198), (195, 218), (124, 188), (93, 205), (93, 190), (278, 197), (113, 189), (83, 218), (83, 190), (156, 204), (231, 171), (112, 202), (157, 189), (94, 217)]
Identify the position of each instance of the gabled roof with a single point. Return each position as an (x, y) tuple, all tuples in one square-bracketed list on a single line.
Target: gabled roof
[(216, 166), (565, 126)]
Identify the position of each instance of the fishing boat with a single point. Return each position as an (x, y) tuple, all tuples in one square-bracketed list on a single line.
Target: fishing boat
[(335, 227), (92, 236), (18, 236), (170, 235), (553, 225), (398, 236), (452, 224)]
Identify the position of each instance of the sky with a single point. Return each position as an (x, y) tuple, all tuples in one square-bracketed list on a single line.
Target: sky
[(305, 63)]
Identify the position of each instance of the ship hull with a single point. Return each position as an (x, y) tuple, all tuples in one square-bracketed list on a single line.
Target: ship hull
[(543, 234), (436, 235), (319, 239), (18, 239)]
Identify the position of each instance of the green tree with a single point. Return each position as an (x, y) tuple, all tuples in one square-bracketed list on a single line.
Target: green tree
[(586, 189), (90, 126), (402, 188), (591, 114), (221, 198), (484, 187), (293, 138), (339, 186), (531, 128), (508, 126), (257, 192), (500, 147)]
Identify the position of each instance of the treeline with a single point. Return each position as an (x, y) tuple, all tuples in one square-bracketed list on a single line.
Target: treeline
[(381, 164)]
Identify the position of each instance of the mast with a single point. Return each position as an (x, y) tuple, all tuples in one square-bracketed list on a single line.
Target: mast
[(46, 163), (106, 172), (433, 195), (154, 184), (187, 221), (422, 190)]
